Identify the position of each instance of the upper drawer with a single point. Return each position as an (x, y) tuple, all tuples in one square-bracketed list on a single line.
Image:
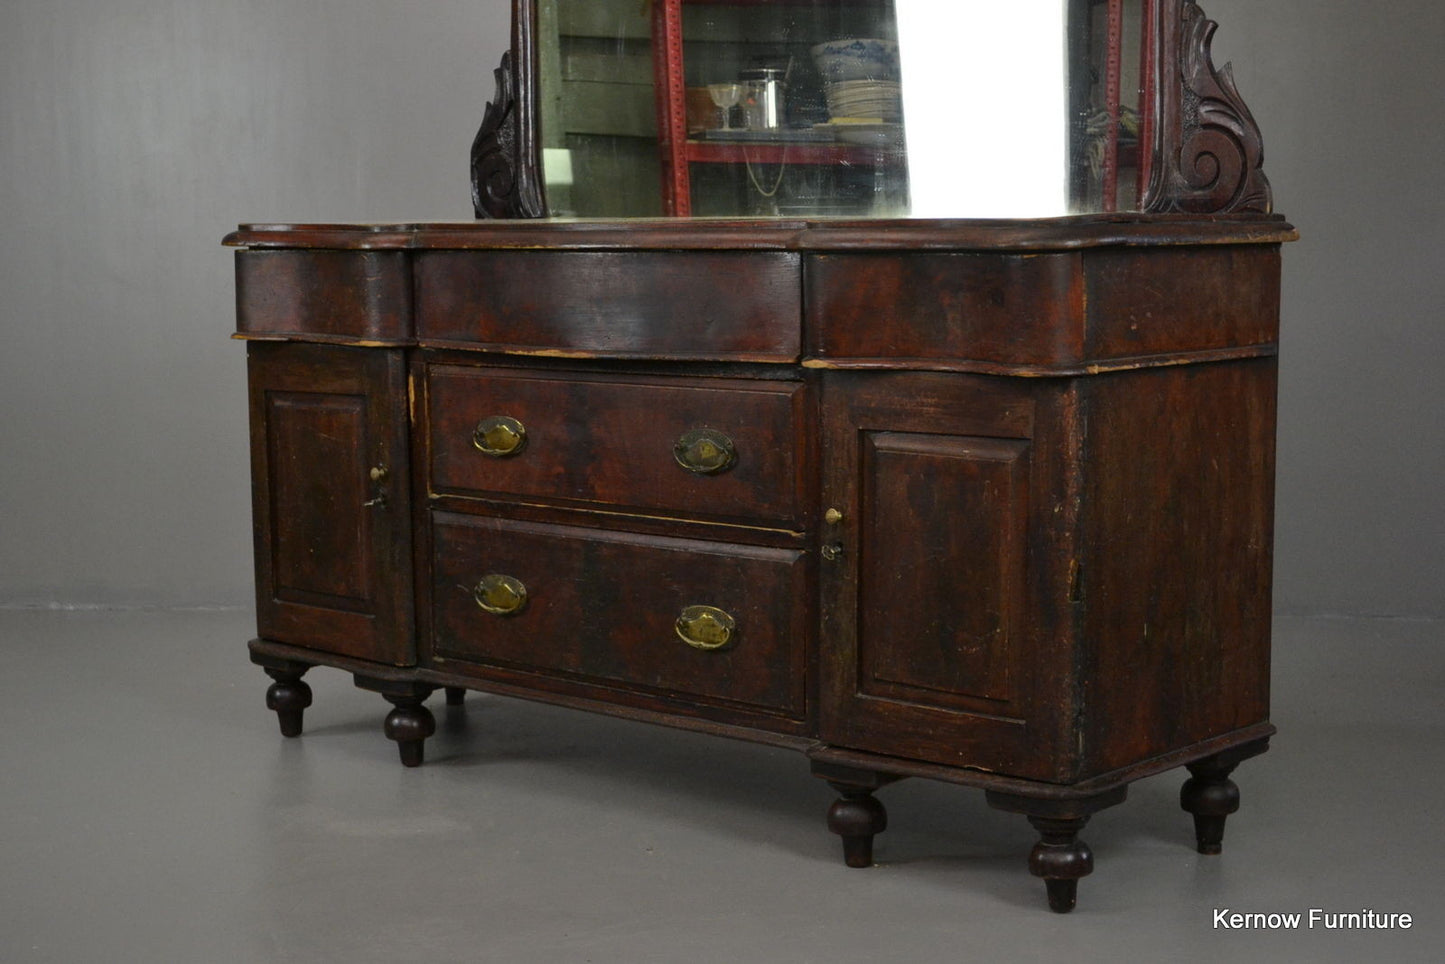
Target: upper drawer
[(726, 449), (336, 296), (1043, 313), (706, 305)]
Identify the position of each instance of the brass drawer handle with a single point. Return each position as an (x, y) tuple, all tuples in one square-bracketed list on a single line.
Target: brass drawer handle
[(501, 595), (705, 451), (705, 627), (499, 436)]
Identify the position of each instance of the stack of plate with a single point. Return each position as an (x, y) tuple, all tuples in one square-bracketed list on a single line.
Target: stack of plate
[(882, 99)]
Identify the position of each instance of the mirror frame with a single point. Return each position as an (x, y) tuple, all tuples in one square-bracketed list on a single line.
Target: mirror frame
[(1206, 155)]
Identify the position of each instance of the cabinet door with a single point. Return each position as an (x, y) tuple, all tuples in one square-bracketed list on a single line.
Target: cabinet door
[(945, 612), (331, 506)]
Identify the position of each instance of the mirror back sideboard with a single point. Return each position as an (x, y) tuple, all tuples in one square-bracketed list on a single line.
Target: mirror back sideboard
[(985, 501)]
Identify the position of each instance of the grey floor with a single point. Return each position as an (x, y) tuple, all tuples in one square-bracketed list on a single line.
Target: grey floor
[(152, 812)]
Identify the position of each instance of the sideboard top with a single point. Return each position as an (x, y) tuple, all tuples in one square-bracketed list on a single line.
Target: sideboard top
[(1049, 234)]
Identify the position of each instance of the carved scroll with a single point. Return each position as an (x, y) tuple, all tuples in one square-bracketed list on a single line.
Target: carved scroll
[(1210, 150), (505, 173)]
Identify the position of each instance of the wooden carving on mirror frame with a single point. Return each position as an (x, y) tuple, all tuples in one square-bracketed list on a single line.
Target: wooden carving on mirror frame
[(1210, 153), (1207, 147), (506, 178)]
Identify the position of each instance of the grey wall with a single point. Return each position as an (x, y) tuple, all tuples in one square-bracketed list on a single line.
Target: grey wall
[(1350, 101), (135, 133)]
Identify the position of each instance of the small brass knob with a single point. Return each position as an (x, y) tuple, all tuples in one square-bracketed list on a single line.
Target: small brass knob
[(833, 516), (705, 451), (499, 436), (499, 594), (378, 473), (705, 627)]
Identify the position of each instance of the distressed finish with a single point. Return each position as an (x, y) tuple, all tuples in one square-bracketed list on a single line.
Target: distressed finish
[(623, 456), (324, 296), (987, 503), (621, 304), (331, 500), (1209, 153), (602, 606)]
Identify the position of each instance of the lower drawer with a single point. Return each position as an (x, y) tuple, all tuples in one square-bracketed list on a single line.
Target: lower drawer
[(712, 621)]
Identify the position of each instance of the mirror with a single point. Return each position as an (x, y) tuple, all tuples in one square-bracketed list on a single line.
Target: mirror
[(849, 108), (864, 109)]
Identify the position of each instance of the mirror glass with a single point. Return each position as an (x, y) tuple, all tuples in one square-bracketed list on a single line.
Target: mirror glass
[(842, 108)]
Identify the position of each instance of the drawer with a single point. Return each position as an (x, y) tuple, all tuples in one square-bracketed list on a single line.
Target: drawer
[(336, 296), (947, 308), (620, 443), (703, 305), (712, 621)]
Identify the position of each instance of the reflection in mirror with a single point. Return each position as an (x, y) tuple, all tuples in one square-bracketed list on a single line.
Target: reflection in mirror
[(848, 108)]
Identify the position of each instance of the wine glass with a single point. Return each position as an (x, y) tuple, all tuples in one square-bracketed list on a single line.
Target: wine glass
[(725, 97)]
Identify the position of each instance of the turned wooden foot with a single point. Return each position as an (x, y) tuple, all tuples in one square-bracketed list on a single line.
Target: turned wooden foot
[(289, 696), (1211, 797), (410, 722), (456, 695), (856, 816), (1060, 858)]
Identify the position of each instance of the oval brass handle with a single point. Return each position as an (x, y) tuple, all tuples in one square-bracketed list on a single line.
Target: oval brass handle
[(500, 594), (499, 436), (705, 451), (705, 627)]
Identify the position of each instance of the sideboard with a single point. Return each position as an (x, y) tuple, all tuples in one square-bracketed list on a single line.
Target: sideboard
[(985, 502)]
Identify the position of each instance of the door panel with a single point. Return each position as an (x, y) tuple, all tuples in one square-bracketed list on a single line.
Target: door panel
[(330, 502), (946, 627), (941, 565)]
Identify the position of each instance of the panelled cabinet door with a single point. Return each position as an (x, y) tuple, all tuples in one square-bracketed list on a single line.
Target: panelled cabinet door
[(945, 632), (331, 509)]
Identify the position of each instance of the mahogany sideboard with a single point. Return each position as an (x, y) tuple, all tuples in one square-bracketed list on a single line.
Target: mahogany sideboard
[(982, 502)]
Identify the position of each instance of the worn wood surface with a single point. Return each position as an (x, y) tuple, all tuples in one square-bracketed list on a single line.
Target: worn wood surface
[(945, 613), (1046, 581), (602, 605), (609, 441), (674, 234), (1176, 557), (333, 543), (320, 295), (704, 305), (1019, 309), (1055, 312), (977, 592)]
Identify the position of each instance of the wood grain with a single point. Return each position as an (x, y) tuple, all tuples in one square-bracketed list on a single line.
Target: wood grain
[(602, 605), (683, 305)]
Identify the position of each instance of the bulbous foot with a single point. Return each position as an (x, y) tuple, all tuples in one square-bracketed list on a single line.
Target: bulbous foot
[(856, 816), (289, 696), (1211, 797), (1060, 858), (409, 724)]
